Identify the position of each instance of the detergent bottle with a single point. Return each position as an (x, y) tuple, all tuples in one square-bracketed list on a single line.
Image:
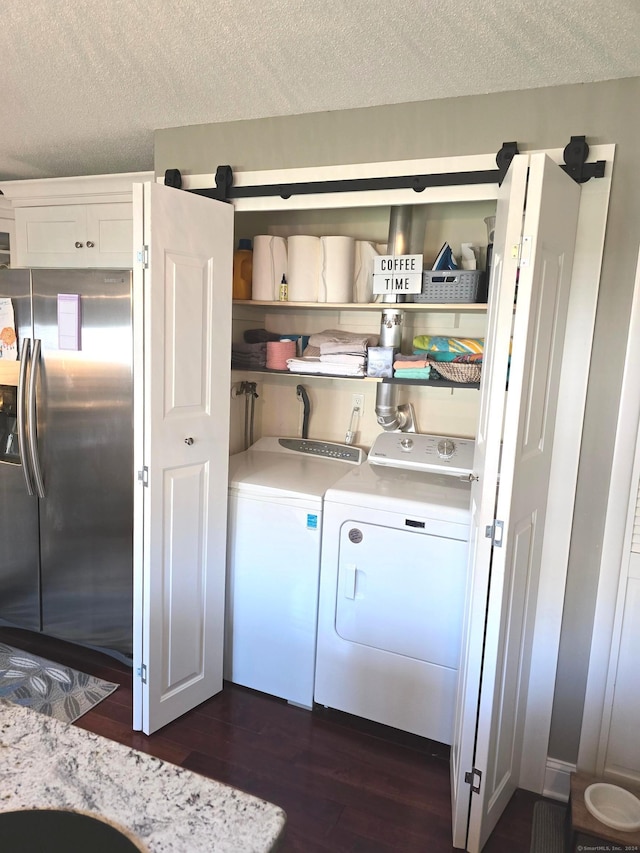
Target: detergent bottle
[(242, 270)]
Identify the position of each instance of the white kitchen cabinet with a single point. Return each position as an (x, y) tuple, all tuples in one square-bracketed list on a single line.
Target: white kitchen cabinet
[(76, 235), (73, 222)]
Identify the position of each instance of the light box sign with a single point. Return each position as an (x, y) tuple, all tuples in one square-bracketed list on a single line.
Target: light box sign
[(397, 274)]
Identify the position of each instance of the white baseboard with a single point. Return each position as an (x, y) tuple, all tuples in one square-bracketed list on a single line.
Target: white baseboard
[(557, 779)]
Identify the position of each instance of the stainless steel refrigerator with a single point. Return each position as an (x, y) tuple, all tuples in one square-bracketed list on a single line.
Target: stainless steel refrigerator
[(66, 457)]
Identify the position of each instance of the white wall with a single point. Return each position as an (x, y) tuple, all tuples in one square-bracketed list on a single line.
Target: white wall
[(539, 118)]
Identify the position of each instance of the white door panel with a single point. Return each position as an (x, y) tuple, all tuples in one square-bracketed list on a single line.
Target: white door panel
[(509, 213), (529, 423), (184, 417)]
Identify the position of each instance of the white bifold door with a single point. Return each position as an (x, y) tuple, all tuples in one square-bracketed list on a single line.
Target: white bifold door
[(533, 253), (183, 246)]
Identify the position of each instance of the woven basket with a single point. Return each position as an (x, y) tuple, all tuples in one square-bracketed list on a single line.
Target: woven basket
[(456, 371)]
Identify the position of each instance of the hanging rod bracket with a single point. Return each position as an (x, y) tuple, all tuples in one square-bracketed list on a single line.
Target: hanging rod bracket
[(504, 157), (575, 155)]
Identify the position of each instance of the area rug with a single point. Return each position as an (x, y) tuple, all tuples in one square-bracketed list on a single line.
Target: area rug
[(548, 828), (48, 687)]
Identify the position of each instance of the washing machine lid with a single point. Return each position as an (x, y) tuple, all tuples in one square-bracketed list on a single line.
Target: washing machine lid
[(405, 491), (290, 467)]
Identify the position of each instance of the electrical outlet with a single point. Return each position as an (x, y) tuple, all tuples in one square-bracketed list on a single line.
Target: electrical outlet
[(357, 402)]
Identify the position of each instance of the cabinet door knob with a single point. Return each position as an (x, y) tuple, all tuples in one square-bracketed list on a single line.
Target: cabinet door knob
[(188, 441), (79, 245), (90, 244)]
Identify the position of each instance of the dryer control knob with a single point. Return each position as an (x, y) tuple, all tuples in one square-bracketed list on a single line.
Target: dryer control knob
[(406, 443), (446, 448)]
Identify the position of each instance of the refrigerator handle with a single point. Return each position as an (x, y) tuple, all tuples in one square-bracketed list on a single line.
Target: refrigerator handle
[(33, 439), (22, 426)]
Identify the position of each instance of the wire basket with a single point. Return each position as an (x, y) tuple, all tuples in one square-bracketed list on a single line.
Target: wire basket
[(456, 371), (449, 286)]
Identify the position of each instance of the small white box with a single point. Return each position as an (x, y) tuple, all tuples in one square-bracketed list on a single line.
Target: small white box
[(380, 361)]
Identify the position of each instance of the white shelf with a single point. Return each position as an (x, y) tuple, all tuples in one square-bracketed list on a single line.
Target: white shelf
[(424, 383), (448, 307)]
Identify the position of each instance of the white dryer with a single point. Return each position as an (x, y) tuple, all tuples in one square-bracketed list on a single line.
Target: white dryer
[(392, 584), (276, 489)]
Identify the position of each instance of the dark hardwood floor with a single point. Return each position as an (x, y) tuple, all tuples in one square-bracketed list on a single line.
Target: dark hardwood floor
[(347, 786)]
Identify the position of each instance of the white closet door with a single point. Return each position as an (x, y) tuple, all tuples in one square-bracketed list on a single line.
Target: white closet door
[(183, 420), (509, 213), (527, 442), (543, 294)]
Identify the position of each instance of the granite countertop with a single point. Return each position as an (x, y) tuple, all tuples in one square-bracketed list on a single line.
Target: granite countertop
[(48, 764)]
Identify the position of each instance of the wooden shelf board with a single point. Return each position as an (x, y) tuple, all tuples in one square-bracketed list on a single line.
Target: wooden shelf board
[(449, 307), (432, 383)]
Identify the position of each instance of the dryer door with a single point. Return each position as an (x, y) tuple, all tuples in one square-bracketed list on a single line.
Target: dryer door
[(401, 591)]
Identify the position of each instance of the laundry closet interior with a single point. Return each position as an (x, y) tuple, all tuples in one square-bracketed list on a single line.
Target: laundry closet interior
[(277, 409), (535, 370)]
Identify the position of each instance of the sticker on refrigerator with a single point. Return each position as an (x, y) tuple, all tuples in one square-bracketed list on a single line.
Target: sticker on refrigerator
[(312, 521), (69, 321), (8, 337)]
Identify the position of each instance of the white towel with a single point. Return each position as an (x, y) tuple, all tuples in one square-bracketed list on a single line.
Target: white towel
[(344, 358), (345, 347), (339, 336), (314, 365)]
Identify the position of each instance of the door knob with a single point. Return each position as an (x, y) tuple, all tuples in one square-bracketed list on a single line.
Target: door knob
[(188, 441), (90, 244)]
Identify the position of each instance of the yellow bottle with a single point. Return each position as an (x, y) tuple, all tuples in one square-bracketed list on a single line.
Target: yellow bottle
[(242, 270)]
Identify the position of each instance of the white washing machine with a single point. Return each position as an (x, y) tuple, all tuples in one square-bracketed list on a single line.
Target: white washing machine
[(276, 489), (392, 584)]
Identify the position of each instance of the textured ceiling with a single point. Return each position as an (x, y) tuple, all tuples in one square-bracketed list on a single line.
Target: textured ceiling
[(84, 83)]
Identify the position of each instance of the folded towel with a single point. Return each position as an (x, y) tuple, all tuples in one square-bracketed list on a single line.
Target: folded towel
[(344, 358), (471, 358), (250, 348), (413, 373), (253, 336), (314, 365), (358, 340), (435, 343), (346, 347), (406, 362), (466, 358), (435, 356)]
